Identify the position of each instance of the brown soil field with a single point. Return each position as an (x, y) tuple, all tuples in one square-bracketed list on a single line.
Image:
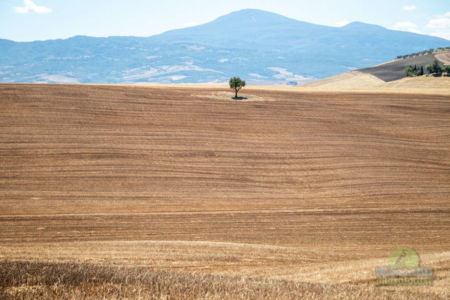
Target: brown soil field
[(288, 194)]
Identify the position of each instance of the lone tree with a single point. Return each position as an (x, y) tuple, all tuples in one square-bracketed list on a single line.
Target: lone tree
[(237, 84)]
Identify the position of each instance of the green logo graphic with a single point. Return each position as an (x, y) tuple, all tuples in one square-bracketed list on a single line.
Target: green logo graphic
[(404, 269), (404, 257)]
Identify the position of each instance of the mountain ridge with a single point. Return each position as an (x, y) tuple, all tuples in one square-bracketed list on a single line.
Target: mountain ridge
[(268, 49)]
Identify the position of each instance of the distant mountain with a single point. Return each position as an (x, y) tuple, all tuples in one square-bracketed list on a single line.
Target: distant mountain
[(262, 47)]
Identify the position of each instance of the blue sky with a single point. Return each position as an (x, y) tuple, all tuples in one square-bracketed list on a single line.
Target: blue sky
[(27, 20)]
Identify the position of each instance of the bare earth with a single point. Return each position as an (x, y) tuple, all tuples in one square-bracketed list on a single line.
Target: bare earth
[(288, 185)]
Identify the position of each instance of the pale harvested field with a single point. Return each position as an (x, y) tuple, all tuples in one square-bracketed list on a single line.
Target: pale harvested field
[(444, 57), (288, 187), (347, 80), (358, 82)]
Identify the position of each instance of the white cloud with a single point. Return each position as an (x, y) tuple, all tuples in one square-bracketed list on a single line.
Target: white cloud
[(409, 7), (439, 23), (190, 24), (407, 26), (31, 7), (444, 35), (342, 23), (441, 26)]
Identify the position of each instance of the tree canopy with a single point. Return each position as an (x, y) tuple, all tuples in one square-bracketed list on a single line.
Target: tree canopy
[(413, 71), (237, 84), (435, 68)]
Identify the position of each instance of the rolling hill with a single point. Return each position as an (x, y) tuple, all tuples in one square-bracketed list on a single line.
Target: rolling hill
[(395, 70), (263, 47), (387, 74)]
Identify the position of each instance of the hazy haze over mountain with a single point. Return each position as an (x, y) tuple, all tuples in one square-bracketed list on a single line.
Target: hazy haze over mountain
[(263, 47)]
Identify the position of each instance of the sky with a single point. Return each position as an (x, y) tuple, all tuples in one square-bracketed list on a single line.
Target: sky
[(28, 20)]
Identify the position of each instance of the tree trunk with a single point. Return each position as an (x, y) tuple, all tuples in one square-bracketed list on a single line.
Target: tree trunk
[(236, 93)]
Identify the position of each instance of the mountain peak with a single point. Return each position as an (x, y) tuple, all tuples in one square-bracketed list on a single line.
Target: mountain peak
[(251, 16), (251, 12), (361, 25), (261, 46)]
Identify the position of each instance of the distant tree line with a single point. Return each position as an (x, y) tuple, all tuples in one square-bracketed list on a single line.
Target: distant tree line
[(430, 51), (434, 69), (413, 71)]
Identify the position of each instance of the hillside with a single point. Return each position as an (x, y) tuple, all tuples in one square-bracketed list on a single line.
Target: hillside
[(263, 47), (182, 190), (395, 70), (444, 57), (421, 82), (347, 80), (391, 74)]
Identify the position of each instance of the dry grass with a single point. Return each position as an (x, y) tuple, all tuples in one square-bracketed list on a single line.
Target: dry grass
[(347, 80), (26, 280), (444, 57), (358, 82), (228, 259), (315, 188)]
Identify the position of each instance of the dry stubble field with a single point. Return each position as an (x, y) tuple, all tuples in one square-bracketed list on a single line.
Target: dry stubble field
[(158, 192)]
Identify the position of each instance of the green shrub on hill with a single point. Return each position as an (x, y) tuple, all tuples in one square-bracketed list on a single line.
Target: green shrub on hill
[(435, 68), (414, 71)]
